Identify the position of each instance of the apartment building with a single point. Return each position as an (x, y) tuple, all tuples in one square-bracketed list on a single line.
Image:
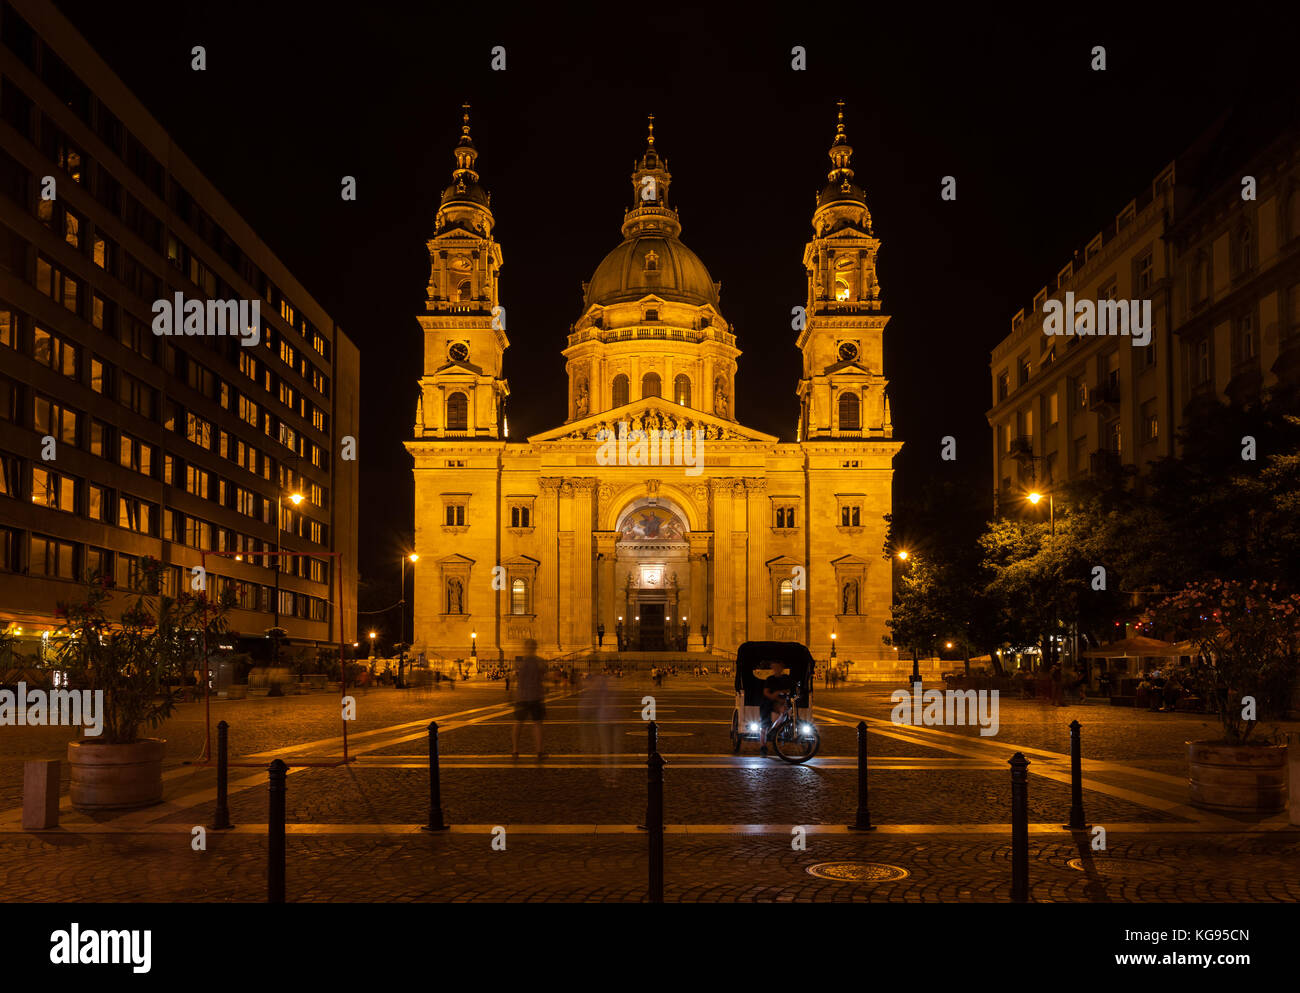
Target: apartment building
[(119, 443), (1221, 275)]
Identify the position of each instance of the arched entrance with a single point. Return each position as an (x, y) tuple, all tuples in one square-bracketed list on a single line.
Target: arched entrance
[(652, 577)]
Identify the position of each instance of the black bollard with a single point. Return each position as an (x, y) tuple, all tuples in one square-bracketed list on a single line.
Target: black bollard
[(862, 822), (1019, 828), (655, 825), (275, 834), (1077, 820), (221, 818), (652, 748), (436, 822)]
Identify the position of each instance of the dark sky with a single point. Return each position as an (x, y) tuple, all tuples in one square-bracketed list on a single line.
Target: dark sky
[(1045, 152)]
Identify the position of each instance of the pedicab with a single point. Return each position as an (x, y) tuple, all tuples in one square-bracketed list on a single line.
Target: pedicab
[(794, 735)]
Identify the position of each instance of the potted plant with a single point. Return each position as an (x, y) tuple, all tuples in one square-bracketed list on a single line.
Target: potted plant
[(138, 664), (1248, 635)]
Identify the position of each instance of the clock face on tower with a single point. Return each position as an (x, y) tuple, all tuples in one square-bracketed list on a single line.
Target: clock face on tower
[(848, 351), (459, 352)]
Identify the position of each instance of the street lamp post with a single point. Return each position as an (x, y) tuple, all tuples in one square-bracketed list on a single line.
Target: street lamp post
[(1035, 498), (294, 498), (401, 658)]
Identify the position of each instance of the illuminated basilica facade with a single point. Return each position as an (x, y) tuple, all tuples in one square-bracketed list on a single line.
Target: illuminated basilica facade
[(745, 537)]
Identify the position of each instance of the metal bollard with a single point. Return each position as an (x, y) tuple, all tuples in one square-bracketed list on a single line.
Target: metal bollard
[(655, 825), (1019, 828), (862, 821), (436, 822), (221, 817), (1077, 820), (652, 748), (275, 834)]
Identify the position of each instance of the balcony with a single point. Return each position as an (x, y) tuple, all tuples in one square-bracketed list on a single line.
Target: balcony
[(1022, 446), (1104, 397)]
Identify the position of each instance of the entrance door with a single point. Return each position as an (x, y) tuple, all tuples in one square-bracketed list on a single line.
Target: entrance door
[(652, 627)]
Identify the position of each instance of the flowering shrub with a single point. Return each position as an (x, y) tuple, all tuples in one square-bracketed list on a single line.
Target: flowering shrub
[(141, 660), (1249, 632)]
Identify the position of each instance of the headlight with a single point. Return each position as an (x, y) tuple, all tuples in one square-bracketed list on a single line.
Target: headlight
[(753, 727), (807, 729)]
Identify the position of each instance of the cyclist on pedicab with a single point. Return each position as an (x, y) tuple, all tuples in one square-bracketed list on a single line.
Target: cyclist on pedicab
[(776, 701)]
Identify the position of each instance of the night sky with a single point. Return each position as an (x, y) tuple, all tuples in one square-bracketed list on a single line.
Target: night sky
[(1045, 152)]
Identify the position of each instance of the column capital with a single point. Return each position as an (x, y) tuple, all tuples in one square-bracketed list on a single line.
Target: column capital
[(550, 484)]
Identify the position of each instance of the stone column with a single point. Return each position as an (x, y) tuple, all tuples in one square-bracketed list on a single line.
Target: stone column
[(699, 579), (758, 595), (548, 616), (722, 612), (583, 593), (739, 565), (607, 545), (564, 567)]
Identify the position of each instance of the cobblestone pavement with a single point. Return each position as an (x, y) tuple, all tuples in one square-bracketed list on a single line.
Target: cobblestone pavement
[(596, 868), (940, 796)]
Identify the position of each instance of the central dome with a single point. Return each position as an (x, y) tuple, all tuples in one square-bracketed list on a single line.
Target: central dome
[(649, 264)]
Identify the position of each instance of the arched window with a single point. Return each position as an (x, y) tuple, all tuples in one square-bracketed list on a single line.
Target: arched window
[(462, 291), (519, 597), (786, 604), (841, 290), (620, 390), (650, 385), (682, 390), (850, 412), (457, 412)]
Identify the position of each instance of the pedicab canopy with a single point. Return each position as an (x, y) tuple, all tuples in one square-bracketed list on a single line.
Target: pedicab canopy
[(753, 656)]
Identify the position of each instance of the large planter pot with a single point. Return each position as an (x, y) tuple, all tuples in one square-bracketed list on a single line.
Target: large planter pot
[(1249, 779), (116, 777)]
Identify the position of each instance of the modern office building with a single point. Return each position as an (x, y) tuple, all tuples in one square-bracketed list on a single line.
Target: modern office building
[(118, 442), (1213, 246)]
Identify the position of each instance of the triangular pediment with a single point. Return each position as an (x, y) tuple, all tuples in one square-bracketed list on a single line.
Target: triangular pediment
[(844, 560), (654, 414), (455, 559), (847, 366), (452, 367)]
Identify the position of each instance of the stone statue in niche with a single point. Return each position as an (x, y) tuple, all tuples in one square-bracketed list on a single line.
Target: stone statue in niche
[(455, 597), (720, 397), (849, 599), (582, 400)]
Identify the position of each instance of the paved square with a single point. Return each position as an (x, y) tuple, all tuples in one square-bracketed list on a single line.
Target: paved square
[(737, 827)]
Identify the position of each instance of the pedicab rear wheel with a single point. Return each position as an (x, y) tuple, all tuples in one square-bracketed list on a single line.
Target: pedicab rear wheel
[(735, 732)]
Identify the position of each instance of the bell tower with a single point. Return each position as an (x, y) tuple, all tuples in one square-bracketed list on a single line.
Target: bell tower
[(842, 393), (462, 388)]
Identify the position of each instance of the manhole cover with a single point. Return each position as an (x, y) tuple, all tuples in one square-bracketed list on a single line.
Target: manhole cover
[(858, 872), (1115, 867)]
